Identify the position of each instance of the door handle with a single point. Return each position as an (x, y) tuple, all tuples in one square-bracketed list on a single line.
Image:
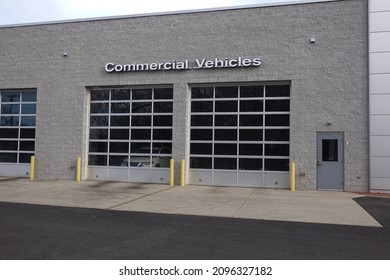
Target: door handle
[(318, 163)]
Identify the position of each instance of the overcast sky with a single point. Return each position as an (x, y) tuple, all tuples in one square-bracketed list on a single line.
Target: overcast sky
[(28, 11)]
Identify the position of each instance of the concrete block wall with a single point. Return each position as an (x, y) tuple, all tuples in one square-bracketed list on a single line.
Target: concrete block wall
[(328, 78)]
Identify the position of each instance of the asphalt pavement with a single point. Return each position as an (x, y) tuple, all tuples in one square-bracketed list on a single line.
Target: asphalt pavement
[(50, 232), (104, 220)]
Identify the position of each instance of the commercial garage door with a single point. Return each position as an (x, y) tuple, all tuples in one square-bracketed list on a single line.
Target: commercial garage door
[(240, 135), (17, 131), (130, 135)]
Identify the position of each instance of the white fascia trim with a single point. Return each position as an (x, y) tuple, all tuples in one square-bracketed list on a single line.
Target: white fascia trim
[(290, 2)]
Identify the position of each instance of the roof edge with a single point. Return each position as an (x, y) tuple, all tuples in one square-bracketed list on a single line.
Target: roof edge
[(216, 9)]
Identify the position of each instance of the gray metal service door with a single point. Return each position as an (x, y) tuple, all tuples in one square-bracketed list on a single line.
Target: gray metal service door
[(330, 161)]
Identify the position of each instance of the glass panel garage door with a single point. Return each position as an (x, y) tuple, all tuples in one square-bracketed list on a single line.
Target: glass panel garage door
[(17, 131), (240, 135), (130, 135)]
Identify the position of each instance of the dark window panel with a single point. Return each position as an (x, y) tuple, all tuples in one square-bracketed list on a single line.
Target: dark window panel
[(141, 107), (162, 120), (120, 121), (200, 163), (277, 120), (250, 164), (162, 134), (201, 134), (119, 147), (277, 106), (225, 120), (27, 121), (201, 148), (25, 157), (120, 108), (141, 134), (97, 160), (98, 133), (10, 109), (98, 94), (29, 108), (277, 150), (29, 96), (98, 147), (8, 145), (276, 164), (141, 121), (251, 106), (225, 134), (99, 108), (163, 93), (251, 135), (118, 160), (251, 149), (202, 106), (225, 163), (140, 148), (225, 149), (142, 94), (8, 157), (251, 120), (27, 146), (163, 107), (163, 147), (27, 133), (119, 134), (277, 135), (226, 92), (202, 92), (251, 91), (9, 121), (120, 94), (10, 96), (226, 106), (202, 120), (329, 150), (9, 133), (277, 91), (99, 120)]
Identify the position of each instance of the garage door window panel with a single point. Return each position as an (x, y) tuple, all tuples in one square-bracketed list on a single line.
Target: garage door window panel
[(226, 92), (120, 94), (226, 120), (225, 163), (125, 131), (201, 134), (18, 109)]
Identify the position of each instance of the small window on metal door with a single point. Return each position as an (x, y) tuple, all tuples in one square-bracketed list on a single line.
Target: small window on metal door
[(329, 150)]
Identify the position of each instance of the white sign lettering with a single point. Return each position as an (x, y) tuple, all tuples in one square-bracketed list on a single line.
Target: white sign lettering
[(184, 65)]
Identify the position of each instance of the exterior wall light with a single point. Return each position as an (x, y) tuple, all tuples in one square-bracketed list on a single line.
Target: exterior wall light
[(312, 40), (65, 54)]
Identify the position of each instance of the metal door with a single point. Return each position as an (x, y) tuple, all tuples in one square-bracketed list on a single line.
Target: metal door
[(330, 161)]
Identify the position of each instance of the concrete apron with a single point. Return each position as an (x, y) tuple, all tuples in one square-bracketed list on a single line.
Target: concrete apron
[(250, 203)]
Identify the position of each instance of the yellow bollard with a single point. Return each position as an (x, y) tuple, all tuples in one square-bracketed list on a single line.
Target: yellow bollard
[(172, 172), (292, 177), (32, 168), (78, 169), (182, 172)]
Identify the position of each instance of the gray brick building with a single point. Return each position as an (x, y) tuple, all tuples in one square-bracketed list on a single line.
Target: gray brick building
[(238, 93)]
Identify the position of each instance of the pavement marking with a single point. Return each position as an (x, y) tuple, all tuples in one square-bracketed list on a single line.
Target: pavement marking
[(138, 198)]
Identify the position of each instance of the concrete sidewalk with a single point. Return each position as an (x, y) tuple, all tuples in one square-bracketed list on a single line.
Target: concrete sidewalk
[(249, 203)]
